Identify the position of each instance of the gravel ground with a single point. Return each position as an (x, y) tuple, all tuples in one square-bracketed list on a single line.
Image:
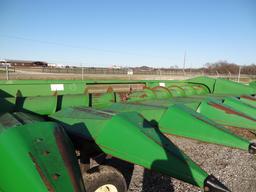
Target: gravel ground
[(234, 167)]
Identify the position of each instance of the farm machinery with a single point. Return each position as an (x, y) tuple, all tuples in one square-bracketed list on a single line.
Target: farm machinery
[(51, 130)]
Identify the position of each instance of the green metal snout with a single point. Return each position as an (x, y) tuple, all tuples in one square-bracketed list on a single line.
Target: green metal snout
[(182, 121), (227, 115), (130, 137)]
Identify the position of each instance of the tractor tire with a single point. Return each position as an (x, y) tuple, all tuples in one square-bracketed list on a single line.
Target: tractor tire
[(104, 178)]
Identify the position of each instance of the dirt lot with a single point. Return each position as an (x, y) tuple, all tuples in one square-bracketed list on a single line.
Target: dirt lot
[(29, 73), (19, 74)]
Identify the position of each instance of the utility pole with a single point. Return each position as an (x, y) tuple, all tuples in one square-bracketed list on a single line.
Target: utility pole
[(160, 74), (7, 71), (239, 72), (230, 75), (82, 68), (184, 62), (217, 73)]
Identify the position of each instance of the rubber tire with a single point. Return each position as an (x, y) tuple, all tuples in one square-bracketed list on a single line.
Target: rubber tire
[(102, 175)]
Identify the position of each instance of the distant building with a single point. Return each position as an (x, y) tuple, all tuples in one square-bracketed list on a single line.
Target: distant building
[(144, 68), (24, 63), (54, 65), (116, 67), (4, 64)]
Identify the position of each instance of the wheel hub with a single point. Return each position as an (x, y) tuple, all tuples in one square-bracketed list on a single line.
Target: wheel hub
[(107, 188)]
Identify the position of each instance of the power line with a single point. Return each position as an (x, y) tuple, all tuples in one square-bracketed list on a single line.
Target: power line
[(72, 46)]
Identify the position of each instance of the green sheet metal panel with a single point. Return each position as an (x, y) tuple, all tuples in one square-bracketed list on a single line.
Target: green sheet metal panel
[(253, 84), (41, 105), (238, 105), (200, 89), (44, 105), (37, 157), (183, 121), (161, 92), (22, 88), (102, 99), (148, 111), (130, 137), (144, 94), (74, 100), (189, 90), (226, 115), (203, 80), (177, 91), (250, 100), (223, 86)]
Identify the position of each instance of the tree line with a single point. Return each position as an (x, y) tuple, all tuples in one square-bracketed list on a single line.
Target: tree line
[(224, 67)]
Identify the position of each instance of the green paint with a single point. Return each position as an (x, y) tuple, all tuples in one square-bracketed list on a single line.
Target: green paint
[(240, 106), (130, 137), (182, 121), (250, 100), (31, 158), (225, 114), (183, 108)]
